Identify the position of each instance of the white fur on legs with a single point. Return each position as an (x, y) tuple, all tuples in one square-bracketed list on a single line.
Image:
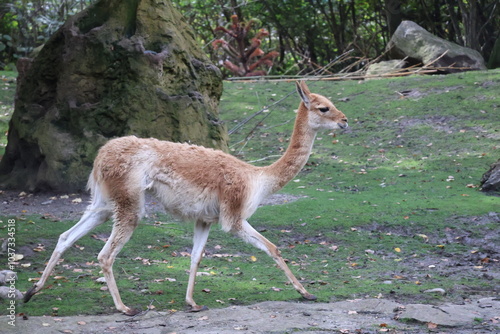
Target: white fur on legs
[(95, 215), (250, 235), (200, 237), (122, 231)]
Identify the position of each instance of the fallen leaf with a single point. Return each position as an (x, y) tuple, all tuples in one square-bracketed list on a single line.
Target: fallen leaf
[(423, 236), (81, 323), (397, 249), (431, 325), (203, 318), (240, 328), (253, 258), (102, 236), (39, 248), (206, 290)]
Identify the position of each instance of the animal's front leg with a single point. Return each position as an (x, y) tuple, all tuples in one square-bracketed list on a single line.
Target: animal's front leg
[(201, 231), (250, 235)]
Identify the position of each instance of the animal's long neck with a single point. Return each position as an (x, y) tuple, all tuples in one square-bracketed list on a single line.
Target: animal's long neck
[(296, 155)]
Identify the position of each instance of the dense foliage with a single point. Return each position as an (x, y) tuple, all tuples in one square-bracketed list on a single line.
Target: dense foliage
[(306, 34), (25, 25)]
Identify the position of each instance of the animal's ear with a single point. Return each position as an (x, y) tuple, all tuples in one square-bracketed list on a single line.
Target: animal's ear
[(304, 93)]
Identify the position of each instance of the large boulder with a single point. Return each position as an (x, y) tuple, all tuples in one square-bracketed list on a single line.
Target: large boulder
[(420, 46), (490, 182), (117, 68)]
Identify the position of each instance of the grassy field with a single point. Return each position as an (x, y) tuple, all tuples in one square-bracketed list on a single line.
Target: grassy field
[(388, 208)]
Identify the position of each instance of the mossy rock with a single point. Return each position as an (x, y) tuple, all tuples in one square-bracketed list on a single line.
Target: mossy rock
[(115, 69)]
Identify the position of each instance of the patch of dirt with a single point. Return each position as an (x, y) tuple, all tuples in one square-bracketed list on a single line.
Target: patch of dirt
[(438, 123), (59, 206), (362, 316), (480, 259)]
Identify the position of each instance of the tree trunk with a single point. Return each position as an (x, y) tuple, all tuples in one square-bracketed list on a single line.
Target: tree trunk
[(393, 15), (117, 68)]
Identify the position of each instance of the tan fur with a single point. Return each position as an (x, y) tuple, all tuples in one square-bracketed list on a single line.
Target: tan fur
[(194, 183)]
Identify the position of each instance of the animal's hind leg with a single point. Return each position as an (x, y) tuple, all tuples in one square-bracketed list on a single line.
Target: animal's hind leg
[(125, 222), (95, 215), (201, 231)]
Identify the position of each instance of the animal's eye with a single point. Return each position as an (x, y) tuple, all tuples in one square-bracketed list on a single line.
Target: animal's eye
[(324, 109)]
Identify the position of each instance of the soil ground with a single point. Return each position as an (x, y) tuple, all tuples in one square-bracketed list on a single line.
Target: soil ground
[(479, 315), (354, 316)]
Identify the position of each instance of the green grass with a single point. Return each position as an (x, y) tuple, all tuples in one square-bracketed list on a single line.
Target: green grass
[(388, 208)]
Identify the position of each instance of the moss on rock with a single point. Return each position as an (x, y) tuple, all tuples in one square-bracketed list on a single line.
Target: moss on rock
[(115, 69)]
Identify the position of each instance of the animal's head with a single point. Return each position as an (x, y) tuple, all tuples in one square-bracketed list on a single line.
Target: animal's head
[(322, 113)]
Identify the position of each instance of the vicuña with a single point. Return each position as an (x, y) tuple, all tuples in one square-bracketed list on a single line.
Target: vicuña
[(194, 183)]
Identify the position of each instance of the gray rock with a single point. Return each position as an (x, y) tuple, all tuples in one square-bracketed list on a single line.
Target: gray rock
[(117, 68), (282, 317), (6, 276), (452, 315), (6, 292), (412, 41), (385, 67), (491, 179)]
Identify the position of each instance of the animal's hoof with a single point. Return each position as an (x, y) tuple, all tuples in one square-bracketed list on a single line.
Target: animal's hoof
[(197, 308), (132, 312), (308, 296), (30, 293)]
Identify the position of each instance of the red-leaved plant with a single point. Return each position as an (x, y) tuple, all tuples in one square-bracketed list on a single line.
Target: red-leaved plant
[(242, 59)]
